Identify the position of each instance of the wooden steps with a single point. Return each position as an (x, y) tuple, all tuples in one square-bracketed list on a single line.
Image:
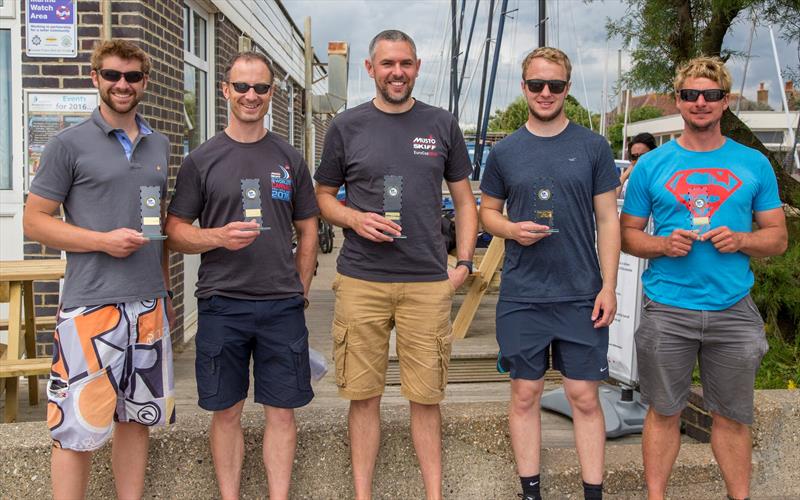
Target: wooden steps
[(466, 370)]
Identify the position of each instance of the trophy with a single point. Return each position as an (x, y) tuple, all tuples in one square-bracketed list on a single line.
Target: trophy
[(393, 200), (150, 197), (543, 206), (251, 202)]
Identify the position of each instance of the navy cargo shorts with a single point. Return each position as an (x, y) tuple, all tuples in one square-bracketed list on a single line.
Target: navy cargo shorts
[(273, 332)]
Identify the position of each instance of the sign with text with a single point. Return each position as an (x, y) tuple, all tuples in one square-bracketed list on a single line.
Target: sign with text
[(621, 347), (51, 28), (46, 114)]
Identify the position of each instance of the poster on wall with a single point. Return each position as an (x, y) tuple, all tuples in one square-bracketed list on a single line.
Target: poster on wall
[(51, 28), (47, 113)]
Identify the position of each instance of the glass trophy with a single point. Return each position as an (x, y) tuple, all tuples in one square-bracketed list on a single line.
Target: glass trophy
[(251, 202), (150, 197), (543, 206), (393, 200)]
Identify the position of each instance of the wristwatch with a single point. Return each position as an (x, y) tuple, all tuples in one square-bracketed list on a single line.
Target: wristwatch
[(466, 263), (170, 294)]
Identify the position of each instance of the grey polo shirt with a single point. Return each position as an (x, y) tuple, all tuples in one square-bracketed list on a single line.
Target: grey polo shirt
[(85, 168)]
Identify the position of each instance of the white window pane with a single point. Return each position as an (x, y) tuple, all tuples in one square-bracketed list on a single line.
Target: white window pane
[(199, 37), (5, 109), (194, 105)]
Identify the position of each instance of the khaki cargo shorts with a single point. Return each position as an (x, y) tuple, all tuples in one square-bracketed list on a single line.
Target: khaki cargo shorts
[(366, 312)]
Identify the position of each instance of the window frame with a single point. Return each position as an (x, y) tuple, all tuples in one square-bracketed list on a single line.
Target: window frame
[(206, 65)]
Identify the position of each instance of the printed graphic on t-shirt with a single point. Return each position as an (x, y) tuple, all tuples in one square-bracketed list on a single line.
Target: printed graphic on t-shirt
[(282, 184), (425, 146), (703, 191)]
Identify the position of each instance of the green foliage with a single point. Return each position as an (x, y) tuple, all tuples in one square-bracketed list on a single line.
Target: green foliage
[(635, 115), (780, 368), (516, 114), (777, 288)]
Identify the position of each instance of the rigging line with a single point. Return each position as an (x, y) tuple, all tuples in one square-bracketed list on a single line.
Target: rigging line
[(747, 60), (580, 67), (469, 45), (441, 60), (427, 78), (510, 78), (472, 77)]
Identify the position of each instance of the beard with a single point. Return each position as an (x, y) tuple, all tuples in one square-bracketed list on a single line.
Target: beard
[(388, 97), (701, 128), (108, 99), (549, 117)]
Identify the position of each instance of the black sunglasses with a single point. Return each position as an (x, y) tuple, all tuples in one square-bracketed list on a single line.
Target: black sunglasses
[(555, 86), (113, 75), (710, 95), (243, 88), (634, 156)]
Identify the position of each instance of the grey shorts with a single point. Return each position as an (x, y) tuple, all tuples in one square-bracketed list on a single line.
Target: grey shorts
[(729, 345)]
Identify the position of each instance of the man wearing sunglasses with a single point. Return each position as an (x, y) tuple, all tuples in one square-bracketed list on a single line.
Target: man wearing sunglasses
[(556, 179), (703, 191), (112, 355), (248, 187)]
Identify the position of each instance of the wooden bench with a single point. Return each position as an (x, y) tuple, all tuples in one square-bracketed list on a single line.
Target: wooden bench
[(42, 323), (24, 367)]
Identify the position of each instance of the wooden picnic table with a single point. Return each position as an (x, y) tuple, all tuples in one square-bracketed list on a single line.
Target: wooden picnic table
[(16, 288)]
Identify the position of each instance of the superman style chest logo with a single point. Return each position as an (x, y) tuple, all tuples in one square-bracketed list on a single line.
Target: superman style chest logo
[(703, 191)]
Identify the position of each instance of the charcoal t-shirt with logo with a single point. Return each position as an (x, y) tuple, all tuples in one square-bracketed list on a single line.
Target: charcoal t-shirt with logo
[(423, 146), (209, 188), (552, 179)]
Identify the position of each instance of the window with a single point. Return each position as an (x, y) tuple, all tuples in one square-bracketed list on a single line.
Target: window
[(5, 109), (197, 32), (770, 136)]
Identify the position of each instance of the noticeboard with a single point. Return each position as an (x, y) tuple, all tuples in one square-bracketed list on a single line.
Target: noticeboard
[(46, 113), (51, 28)]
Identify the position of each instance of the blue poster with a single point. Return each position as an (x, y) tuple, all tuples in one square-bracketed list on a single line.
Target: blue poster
[(51, 28)]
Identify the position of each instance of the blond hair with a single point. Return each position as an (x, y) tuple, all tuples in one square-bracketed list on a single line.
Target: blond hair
[(550, 54), (711, 68), (123, 49)]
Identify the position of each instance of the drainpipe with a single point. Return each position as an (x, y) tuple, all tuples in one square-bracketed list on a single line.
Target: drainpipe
[(106, 12)]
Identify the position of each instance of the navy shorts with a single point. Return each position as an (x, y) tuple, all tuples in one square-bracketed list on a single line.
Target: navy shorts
[(527, 331), (274, 332)]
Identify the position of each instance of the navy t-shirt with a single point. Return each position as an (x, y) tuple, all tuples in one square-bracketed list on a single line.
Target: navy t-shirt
[(552, 181), (423, 146)]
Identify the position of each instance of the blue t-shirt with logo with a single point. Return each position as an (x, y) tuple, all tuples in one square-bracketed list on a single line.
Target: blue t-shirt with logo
[(700, 191), (551, 181)]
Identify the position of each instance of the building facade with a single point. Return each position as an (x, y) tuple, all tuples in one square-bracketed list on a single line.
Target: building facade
[(189, 41)]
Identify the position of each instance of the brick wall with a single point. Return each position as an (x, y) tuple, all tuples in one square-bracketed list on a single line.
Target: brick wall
[(158, 28), (696, 420)]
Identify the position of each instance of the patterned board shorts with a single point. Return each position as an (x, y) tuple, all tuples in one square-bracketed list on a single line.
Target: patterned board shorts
[(110, 363)]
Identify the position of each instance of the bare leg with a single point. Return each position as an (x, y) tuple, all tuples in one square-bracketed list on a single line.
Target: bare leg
[(69, 473), (732, 446), (227, 448), (589, 426), (129, 459), (525, 424), (426, 431), (661, 441), (364, 423), (280, 440)]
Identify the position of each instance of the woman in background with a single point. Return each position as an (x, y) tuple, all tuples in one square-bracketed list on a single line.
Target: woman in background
[(640, 145)]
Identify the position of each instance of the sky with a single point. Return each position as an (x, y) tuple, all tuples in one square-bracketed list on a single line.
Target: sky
[(576, 27)]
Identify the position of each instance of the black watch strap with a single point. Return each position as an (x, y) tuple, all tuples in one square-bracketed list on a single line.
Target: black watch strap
[(466, 263), (170, 294)]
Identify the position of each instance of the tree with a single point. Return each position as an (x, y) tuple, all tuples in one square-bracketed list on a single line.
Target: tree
[(516, 114), (668, 33)]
